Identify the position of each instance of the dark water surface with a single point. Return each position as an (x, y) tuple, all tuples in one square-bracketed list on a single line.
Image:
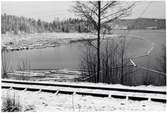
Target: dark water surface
[(68, 56)]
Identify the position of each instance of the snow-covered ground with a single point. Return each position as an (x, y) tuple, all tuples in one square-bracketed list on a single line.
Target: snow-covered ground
[(46, 75), (41, 40), (71, 74), (42, 102), (86, 90)]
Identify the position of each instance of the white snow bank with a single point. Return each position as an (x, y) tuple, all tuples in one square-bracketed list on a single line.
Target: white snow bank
[(42, 40), (46, 102)]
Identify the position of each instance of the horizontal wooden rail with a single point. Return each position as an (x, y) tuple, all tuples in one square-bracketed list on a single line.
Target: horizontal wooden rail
[(83, 86), (58, 91)]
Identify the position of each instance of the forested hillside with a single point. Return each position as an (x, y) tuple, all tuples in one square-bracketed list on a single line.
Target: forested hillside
[(15, 24), (142, 23)]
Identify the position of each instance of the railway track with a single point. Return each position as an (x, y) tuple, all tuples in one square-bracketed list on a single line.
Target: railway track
[(98, 91)]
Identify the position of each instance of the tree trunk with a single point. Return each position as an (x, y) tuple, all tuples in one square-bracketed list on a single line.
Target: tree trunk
[(98, 42), (122, 60)]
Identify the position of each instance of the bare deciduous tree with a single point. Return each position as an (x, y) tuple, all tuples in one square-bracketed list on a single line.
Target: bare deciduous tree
[(5, 62), (115, 66), (100, 14)]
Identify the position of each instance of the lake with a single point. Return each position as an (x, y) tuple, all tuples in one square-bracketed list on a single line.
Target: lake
[(68, 56)]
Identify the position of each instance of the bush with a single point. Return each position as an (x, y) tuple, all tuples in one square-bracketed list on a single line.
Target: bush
[(114, 62), (11, 104)]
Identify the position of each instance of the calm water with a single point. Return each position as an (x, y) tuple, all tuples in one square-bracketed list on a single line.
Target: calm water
[(65, 56), (68, 56)]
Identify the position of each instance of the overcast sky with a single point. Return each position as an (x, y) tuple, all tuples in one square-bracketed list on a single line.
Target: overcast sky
[(48, 11)]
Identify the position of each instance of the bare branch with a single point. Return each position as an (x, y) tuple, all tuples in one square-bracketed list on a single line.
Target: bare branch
[(94, 4), (119, 11), (108, 5), (112, 19), (84, 11), (91, 10), (90, 42)]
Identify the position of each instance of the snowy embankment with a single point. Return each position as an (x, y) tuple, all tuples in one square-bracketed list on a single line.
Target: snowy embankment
[(41, 40), (46, 75), (40, 101), (71, 74), (38, 40)]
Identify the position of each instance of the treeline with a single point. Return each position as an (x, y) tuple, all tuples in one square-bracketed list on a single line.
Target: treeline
[(142, 23), (15, 24)]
